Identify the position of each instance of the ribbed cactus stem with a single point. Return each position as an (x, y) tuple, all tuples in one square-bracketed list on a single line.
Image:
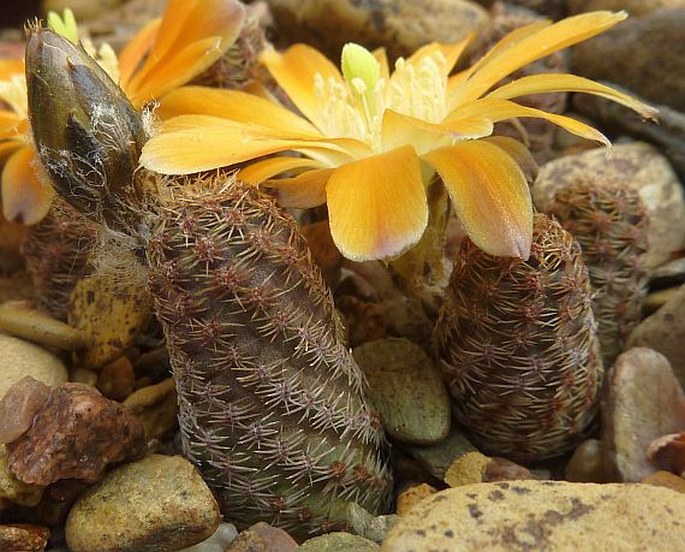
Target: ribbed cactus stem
[(57, 252), (610, 223), (518, 347), (272, 407)]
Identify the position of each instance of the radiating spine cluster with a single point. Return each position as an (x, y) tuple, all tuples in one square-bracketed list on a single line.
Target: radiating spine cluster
[(610, 223), (272, 406), (518, 348)]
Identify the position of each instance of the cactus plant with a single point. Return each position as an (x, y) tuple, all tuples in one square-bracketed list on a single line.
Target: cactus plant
[(518, 347), (610, 223), (272, 406)]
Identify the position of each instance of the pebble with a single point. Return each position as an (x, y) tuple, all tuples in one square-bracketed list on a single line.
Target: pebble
[(156, 407), (76, 435), (13, 490), (406, 389), (412, 496), (117, 379), (639, 54), (436, 459), (19, 406), (644, 401), (157, 504), (543, 515), (633, 7), (338, 542), (586, 465), (363, 523), (666, 479), (664, 331), (668, 452), (21, 358), (224, 535), (17, 319), (474, 467), (401, 26), (638, 165), (262, 537), (23, 537)]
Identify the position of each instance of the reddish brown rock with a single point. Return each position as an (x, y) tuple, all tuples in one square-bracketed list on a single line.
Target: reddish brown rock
[(262, 537), (19, 405), (76, 435), (24, 538), (668, 452), (644, 401)]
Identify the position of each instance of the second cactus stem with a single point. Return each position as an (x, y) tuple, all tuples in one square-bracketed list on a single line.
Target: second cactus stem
[(272, 406)]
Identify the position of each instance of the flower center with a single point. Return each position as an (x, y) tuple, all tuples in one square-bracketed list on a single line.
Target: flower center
[(354, 107)]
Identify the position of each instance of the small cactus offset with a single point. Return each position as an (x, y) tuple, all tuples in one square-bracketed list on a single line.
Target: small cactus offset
[(272, 407), (518, 348), (610, 223), (57, 252)]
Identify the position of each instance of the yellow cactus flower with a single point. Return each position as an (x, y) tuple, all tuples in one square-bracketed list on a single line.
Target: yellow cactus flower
[(167, 53), (370, 140)]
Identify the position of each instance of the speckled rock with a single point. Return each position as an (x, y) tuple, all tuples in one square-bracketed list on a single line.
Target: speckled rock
[(436, 459), (157, 504), (21, 358), (664, 331), (633, 7), (543, 515), (639, 166), (406, 389), (23, 538), (338, 542), (401, 26), (76, 435), (643, 54), (412, 496), (643, 402)]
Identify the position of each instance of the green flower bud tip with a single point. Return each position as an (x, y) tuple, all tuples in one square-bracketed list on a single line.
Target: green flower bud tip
[(87, 133)]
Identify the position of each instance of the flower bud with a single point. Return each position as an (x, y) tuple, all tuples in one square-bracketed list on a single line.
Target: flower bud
[(87, 133)]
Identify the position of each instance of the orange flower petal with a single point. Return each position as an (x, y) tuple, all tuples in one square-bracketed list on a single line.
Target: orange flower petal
[(9, 124), (8, 147), (10, 67), (193, 143), (377, 206), (304, 190), (398, 129), (489, 194), (235, 106), (26, 197), (451, 52), (563, 82), (499, 110), (133, 55), (381, 56), (193, 35), (531, 47), (258, 172), (519, 153), (295, 71)]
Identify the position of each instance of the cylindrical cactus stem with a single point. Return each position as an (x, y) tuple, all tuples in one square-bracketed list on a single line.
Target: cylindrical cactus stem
[(518, 347), (610, 223), (57, 252), (272, 404)]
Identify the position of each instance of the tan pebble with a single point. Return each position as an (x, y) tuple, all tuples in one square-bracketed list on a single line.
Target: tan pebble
[(666, 479), (156, 407), (157, 503), (19, 407), (586, 464), (83, 375), (412, 496), (19, 320), (117, 379), (467, 469), (21, 358)]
